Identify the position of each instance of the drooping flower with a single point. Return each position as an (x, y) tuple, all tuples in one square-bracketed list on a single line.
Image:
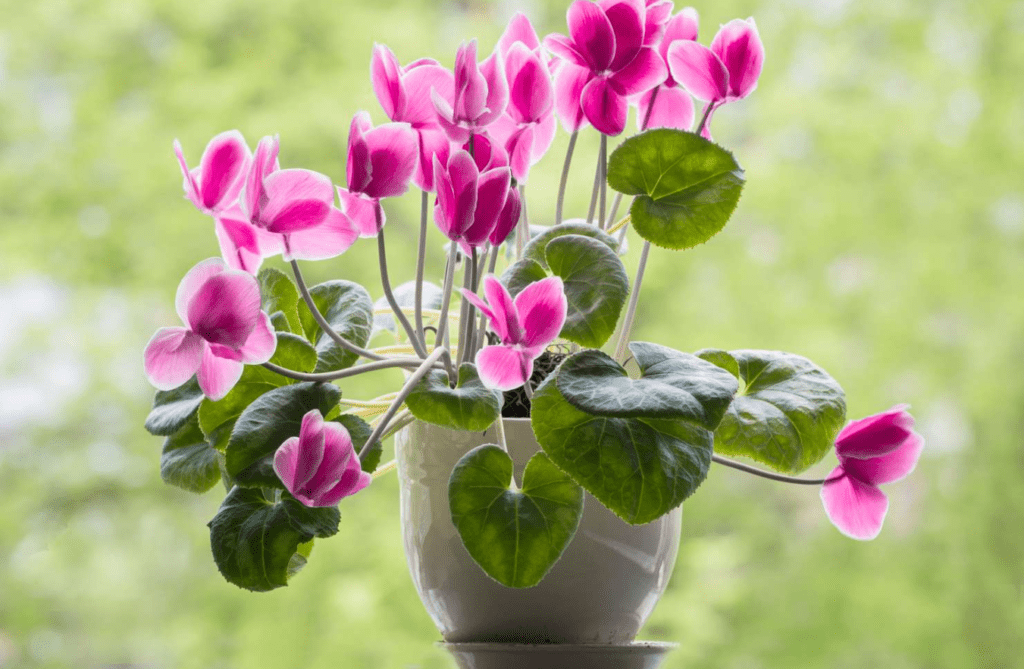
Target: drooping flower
[(605, 62), (480, 95), (525, 326), (673, 106), (289, 211), (224, 328), (320, 466), (486, 152), (882, 448), (381, 162), (726, 72), (471, 205), (404, 94)]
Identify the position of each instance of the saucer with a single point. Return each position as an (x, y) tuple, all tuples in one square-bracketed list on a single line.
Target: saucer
[(636, 655)]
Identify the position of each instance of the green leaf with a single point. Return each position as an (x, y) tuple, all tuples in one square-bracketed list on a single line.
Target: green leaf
[(347, 307), (267, 423), (686, 186), (405, 295), (360, 431), (787, 412), (188, 461), (214, 416), (172, 408), (254, 540), (279, 295), (295, 353), (469, 406), (535, 250), (640, 446), (516, 536), (596, 284)]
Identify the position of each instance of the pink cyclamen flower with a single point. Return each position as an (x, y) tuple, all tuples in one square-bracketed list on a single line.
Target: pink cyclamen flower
[(605, 61), (878, 449), (472, 205), (673, 106), (726, 72), (525, 325), (224, 328), (381, 162), (479, 97), (656, 20), (404, 94), (320, 466)]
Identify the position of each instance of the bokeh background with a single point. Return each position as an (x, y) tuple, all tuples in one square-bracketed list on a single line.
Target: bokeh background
[(881, 234)]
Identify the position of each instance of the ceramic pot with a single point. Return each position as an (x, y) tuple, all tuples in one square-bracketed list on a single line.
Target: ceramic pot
[(601, 591)]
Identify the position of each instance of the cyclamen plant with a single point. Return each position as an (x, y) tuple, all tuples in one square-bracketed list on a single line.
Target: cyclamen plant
[(248, 388)]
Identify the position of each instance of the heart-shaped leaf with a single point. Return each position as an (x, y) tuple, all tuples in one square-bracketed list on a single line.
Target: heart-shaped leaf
[(349, 310), (686, 187), (267, 423), (405, 295), (188, 461), (516, 536), (172, 408), (216, 419), (470, 405), (535, 249), (295, 353), (640, 446), (254, 540), (595, 283), (280, 296), (787, 413)]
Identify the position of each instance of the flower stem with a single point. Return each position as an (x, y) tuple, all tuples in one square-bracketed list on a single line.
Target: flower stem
[(565, 177), (766, 474), (468, 310), (602, 162), (483, 317), (704, 119), (650, 108), (322, 322), (407, 363), (597, 187), (390, 296), (414, 379), (618, 196), (420, 261), (627, 324), (523, 228)]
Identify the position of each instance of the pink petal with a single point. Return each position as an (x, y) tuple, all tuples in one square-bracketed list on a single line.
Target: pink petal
[(287, 461), (225, 308), (221, 170), (264, 162), (463, 173), (172, 356), (493, 72), (531, 93), (261, 344), (327, 240), (507, 219), (312, 445), (418, 82), (189, 183), (518, 31), (193, 281), (627, 21), (875, 435), (563, 48), (475, 300), (673, 108), (393, 149), (444, 208), (698, 70), (361, 212), (358, 168), (520, 148), (682, 26), (470, 85), (487, 154), (492, 192), (592, 34), (216, 375), (643, 73), (890, 467), (239, 243), (605, 107), (431, 143), (385, 76), (352, 481), (543, 136), (542, 310), (857, 509), (570, 80), (655, 21), (338, 452), (503, 367), (506, 319), (297, 199), (739, 47)]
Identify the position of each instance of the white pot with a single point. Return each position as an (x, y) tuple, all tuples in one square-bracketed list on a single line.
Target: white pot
[(601, 590)]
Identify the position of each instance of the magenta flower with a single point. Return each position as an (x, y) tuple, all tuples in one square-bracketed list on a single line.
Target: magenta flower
[(656, 19), (605, 62), (290, 212), (525, 326), (472, 206), (487, 154), (673, 106), (215, 184), (726, 72), (480, 95), (224, 329), (878, 449), (320, 466), (404, 94), (381, 162)]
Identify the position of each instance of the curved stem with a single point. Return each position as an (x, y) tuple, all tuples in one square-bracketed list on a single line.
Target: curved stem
[(390, 296), (414, 379), (322, 322), (704, 119), (602, 162), (407, 363), (421, 258), (766, 474), (627, 324), (565, 177)]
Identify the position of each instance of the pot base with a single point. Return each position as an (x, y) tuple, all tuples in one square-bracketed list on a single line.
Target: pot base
[(636, 655)]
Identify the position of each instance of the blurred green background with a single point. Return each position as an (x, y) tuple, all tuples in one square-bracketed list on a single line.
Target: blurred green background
[(881, 234)]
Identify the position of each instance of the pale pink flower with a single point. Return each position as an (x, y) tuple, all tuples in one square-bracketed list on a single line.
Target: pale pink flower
[(320, 466)]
